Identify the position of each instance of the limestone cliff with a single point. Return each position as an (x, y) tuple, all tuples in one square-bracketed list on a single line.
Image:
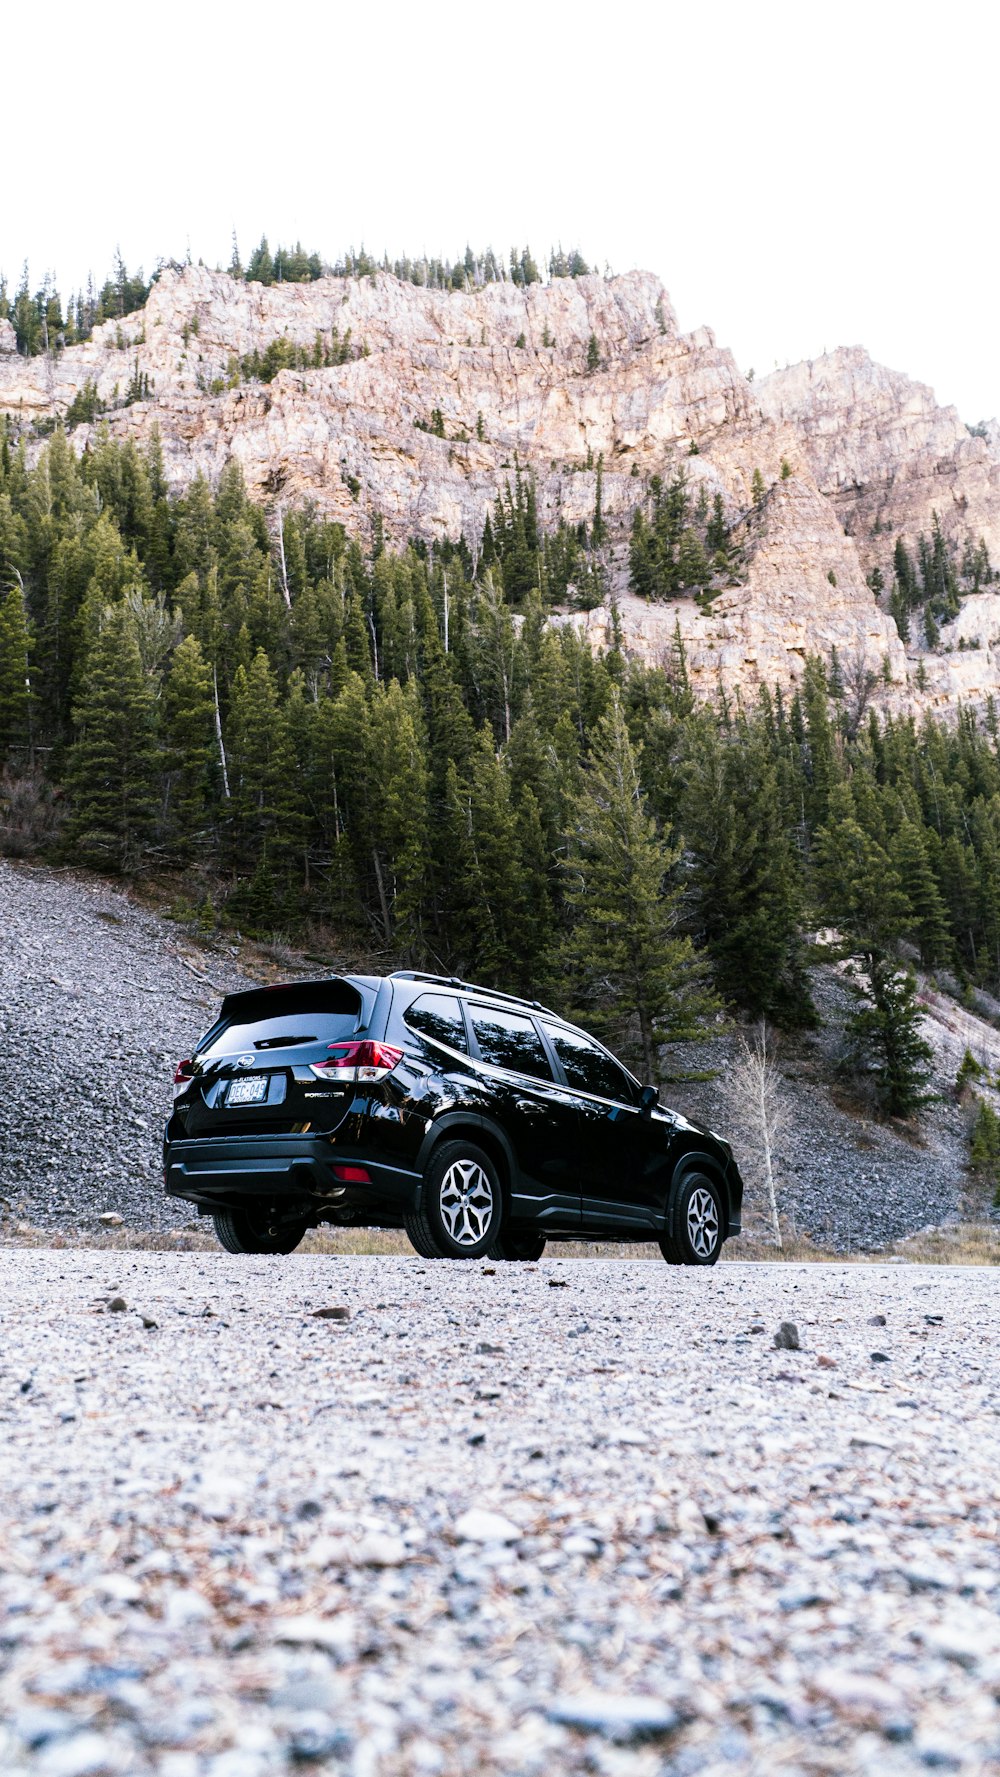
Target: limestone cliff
[(867, 453)]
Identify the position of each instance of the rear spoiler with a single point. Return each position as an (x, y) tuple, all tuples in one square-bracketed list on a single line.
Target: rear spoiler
[(254, 1002)]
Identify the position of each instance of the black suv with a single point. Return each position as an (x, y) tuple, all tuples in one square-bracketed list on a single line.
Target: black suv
[(482, 1124)]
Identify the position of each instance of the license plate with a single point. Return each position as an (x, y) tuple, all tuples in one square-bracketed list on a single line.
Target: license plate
[(252, 1091)]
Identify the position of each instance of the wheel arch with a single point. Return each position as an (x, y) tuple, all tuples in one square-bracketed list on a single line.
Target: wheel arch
[(696, 1160), (485, 1135)]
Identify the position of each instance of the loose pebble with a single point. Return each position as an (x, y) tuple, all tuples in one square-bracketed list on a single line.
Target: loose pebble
[(493, 1548)]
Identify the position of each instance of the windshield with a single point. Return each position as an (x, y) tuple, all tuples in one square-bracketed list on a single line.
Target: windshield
[(284, 1018)]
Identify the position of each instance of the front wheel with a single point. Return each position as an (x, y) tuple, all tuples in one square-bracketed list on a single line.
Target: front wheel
[(460, 1204), (519, 1245), (256, 1231), (695, 1221)]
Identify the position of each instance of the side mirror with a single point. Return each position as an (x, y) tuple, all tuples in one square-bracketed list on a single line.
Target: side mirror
[(648, 1097)]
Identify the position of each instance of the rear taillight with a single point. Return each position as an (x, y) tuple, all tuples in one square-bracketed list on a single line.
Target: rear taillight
[(351, 1062), (183, 1075)]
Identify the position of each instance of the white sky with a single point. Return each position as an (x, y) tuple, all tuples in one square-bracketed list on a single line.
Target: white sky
[(800, 175)]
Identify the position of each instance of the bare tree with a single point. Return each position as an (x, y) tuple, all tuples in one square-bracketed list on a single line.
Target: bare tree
[(760, 1109)]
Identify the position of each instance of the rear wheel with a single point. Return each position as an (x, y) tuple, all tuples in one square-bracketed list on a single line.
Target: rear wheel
[(511, 1244), (257, 1231), (695, 1221), (460, 1204)]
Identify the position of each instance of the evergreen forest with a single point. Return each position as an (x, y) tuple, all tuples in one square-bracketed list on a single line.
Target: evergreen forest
[(390, 752)]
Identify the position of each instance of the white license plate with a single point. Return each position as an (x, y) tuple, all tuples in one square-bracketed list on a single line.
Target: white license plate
[(252, 1091)]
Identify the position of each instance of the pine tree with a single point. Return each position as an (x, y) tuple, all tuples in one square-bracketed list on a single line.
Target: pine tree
[(928, 921), (112, 772), (623, 954), (189, 731), (598, 529), (884, 1038), (984, 1146), (261, 764), (744, 875), (593, 353), (15, 684)]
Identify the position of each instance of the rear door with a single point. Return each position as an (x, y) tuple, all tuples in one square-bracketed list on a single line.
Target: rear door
[(253, 1072), (537, 1113), (624, 1151)]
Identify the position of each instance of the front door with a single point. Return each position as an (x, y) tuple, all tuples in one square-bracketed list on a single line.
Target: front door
[(624, 1150)]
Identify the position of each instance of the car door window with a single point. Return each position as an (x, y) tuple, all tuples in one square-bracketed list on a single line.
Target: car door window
[(588, 1067), (439, 1016), (510, 1041)]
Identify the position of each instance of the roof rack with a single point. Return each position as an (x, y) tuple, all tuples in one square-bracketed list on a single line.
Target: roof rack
[(490, 993)]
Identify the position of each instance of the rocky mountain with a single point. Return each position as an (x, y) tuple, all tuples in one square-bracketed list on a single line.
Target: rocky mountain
[(418, 404)]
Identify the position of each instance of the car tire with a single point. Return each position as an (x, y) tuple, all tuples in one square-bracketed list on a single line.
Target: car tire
[(253, 1231), (520, 1244), (461, 1204), (695, 1223)]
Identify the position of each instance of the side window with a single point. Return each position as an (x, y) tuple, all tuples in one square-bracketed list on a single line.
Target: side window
[(509, 1041), (588, 1068), (438, 1015)]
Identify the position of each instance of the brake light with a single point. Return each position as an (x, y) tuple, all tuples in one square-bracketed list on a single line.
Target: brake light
[(350, 1062), (183, 1075), (352, 1175)]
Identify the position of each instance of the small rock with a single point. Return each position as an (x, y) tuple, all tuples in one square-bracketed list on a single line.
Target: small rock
[(787, 1336), (578, 1544), (877, 1320), (379, 1549), (149, 1323), (826, 1363), (617, 1717), (316, 1736), (335, 1313), (110, 1219), (85, 1755), (558, 1283), (117, 1305), (489, 1271), (478, 1525), (880, 1357)]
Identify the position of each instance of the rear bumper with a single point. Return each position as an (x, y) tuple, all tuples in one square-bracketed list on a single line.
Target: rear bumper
[(291, 1170)]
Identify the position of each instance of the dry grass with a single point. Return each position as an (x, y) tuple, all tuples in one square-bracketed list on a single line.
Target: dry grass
[(966, 1243)]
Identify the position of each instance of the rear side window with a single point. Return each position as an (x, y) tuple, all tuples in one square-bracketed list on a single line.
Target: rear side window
[(439, 1016), (281, 1018), (509, 1041), (588, 1068)]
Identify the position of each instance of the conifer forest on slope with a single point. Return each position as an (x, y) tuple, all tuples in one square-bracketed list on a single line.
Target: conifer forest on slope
[(399, 748)]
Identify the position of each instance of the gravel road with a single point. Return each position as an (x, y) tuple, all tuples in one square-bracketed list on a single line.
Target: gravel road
[(582, 1516)]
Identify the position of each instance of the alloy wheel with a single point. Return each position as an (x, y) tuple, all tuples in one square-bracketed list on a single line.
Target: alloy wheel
[(703, 1222), (466, 1202)]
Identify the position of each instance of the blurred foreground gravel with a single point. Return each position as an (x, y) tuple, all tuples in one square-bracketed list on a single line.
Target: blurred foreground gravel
[(576, 1517)]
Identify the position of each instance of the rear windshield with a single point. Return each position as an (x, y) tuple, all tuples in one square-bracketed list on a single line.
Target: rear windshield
[(281, 1018)]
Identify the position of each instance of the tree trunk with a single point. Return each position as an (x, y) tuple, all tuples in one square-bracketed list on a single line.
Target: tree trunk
[(218, 735)]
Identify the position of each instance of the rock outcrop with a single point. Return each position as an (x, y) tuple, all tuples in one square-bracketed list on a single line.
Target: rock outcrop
[(852, 454)]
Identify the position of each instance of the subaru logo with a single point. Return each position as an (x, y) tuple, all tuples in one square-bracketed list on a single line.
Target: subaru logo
[(245, 1060)]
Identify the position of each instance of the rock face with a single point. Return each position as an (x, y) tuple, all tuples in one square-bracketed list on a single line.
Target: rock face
[(886, 455), (503, 372)]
